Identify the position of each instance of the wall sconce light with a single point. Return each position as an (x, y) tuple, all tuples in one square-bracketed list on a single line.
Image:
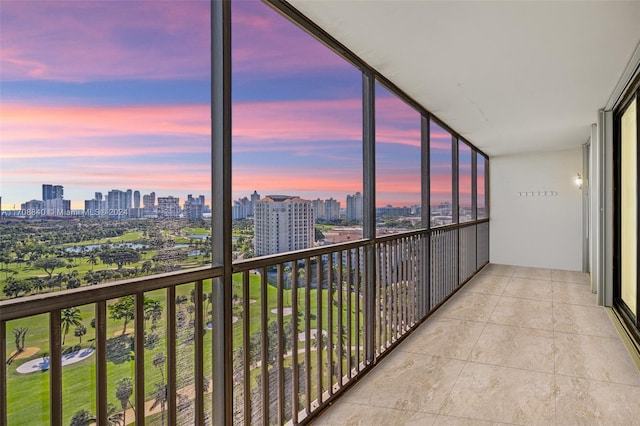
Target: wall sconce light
[(578, 181)]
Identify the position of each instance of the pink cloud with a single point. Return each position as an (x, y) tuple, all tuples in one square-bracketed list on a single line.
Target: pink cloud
[(92, 40), (68, 131)]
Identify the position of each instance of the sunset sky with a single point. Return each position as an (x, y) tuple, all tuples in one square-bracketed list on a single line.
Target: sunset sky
[(103, 95)]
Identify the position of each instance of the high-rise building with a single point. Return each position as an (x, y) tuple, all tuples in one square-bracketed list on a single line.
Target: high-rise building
[(255, 197), (33, 208), (331, 209), (136, 199), (168, 207), (318, 207), (193, 207), (149, 204), (354, 206), (283, 223), (117, 204), (50, 192), (245, 207)]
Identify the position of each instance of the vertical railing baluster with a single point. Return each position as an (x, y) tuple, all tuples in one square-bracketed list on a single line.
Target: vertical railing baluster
[(246, 348), (349, 314), (378, 296), (55, 368), (307, 332), (199, 355), (101, 362), (319, 335), (294, 344), (357, 307), (280, 361), (330, 338), (340, 315), (138, 349), (264, 367), (172, 361), (3, 377)]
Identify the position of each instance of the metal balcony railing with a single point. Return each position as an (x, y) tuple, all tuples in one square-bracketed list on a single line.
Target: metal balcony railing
[(306, 325)]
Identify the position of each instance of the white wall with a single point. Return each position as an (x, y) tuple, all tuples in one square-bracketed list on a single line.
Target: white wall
[(538, 231)]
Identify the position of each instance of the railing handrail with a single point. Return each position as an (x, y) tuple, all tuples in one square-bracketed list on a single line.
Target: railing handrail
[(36, 304)]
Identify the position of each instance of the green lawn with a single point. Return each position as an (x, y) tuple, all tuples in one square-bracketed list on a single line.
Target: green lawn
[(28, 393)]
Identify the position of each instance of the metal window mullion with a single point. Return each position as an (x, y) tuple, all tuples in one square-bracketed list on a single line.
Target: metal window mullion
[(369, 222), (222, 346), (172, 361), (455, 176), (55, 368), (101, 362), (139, 354)]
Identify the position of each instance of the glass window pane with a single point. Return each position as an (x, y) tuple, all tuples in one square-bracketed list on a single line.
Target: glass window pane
[(629, 207), (441, 173), (105, 139), (481, 182), (297, 136), (398, 181), (464, 182)]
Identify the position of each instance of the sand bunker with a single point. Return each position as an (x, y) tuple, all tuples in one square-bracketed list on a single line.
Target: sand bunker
[(42, 364)]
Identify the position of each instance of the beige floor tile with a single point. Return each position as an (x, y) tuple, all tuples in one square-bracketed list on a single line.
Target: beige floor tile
[(408, 381), (529, 289), (345, 413), (576, 277), (446, 337), (502, 394), (515, 347), (469, 306), (573, 294), (588, 402), (487, 284), (461, 421), (497, 269), (593, 357), (520, 312), (592, 321), (532, 273)]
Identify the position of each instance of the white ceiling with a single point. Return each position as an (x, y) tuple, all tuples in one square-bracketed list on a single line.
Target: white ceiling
[(509, 76)]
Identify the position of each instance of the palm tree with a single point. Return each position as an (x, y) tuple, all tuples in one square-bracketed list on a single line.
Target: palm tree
[(80, 331), (123, 393), (160, 398), (69, 317)]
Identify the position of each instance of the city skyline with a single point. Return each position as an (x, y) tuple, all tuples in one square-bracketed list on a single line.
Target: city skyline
[(120, 112)]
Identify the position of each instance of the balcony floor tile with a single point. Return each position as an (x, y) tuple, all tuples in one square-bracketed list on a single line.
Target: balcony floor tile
[(408, 381), (520, 312), (347, 413), (445, 337), (487, 284), (469, 306), (502, 394), (514, 346)]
